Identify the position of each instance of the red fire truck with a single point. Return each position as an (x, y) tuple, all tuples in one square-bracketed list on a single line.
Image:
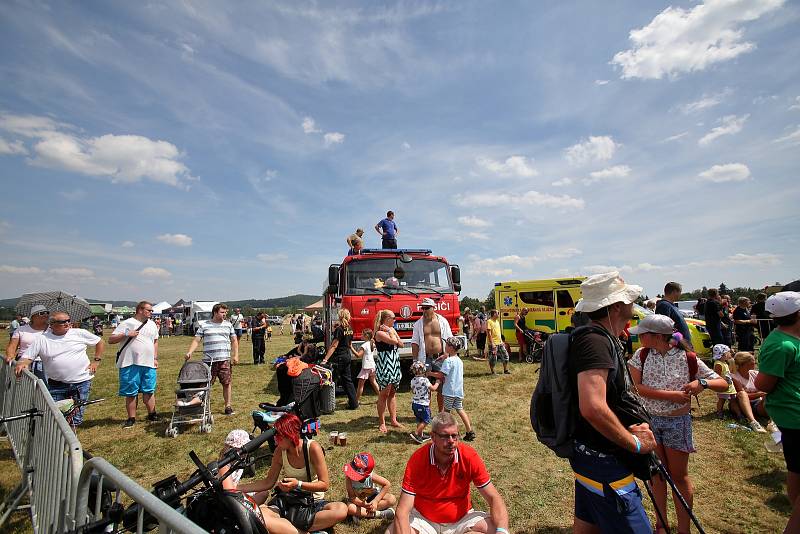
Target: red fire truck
[(397, 280)]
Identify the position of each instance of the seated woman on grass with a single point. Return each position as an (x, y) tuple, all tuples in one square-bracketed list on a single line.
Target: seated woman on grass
[(290, 459)]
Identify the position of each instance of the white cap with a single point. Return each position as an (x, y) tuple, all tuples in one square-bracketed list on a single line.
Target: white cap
[(783, 303), (427, 301), (656, 324), (38, 308), (601, 290), (719, 350)]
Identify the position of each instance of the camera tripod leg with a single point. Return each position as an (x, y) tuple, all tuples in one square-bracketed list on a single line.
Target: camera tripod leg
[(665, 475)]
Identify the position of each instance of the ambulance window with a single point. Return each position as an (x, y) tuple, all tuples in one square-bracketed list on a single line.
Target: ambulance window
[(564, 299), (539, 298)]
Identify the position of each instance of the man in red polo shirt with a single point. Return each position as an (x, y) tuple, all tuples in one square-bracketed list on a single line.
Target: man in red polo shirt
[(436, 485)]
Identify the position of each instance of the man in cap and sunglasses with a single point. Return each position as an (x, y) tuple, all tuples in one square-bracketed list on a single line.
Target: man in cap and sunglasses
[(63, 353), (24, 336), (435, 494), (607, 498), (428, 338)]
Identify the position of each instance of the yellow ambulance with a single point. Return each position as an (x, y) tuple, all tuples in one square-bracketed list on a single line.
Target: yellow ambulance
[(551, 304)]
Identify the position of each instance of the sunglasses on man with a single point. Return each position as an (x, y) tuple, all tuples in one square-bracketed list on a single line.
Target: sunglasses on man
[(60, 321)]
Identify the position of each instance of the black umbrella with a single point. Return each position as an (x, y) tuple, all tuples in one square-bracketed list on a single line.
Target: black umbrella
[(55, 301)]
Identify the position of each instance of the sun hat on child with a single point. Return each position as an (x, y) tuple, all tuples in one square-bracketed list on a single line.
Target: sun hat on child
[(719, 350), (360, 467), (656, 324), (237, 438)]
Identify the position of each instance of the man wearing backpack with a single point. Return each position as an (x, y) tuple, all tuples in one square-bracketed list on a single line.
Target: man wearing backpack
[(607, 498)]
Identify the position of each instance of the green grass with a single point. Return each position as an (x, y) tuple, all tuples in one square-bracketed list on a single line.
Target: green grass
[(739, 486)]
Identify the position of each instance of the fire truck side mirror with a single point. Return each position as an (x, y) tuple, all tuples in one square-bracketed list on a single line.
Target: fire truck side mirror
[(333, 276), (455, 274)]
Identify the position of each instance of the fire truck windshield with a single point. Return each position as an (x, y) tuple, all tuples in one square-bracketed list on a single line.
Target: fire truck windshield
[(364, 276)]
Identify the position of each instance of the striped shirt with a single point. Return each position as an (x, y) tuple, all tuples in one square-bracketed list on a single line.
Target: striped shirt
[(216, 340)]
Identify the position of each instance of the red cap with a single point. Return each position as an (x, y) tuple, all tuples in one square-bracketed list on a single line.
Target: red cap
[(360, 467)]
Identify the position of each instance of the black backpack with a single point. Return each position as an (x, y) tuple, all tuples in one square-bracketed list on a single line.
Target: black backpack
[(554, 407)]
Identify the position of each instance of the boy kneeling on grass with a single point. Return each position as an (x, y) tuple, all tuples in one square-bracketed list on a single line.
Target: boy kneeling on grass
[(367, 493), (452, 372)]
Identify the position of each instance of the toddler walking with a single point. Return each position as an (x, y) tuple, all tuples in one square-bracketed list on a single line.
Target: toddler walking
[(367, 354), (421, 389)]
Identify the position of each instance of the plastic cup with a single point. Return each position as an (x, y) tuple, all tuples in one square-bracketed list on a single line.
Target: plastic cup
[(334, 437), (343, 438)]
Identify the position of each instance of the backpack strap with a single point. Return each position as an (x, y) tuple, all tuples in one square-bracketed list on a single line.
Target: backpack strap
[(306, 445), (691, 360), (643, 357)]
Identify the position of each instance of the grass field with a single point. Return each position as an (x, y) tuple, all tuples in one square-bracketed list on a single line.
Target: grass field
[(739, 486)]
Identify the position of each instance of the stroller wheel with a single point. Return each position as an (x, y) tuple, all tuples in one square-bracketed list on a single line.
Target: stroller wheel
[(205, 429), (529, 358), (210, 419), (171, 432)]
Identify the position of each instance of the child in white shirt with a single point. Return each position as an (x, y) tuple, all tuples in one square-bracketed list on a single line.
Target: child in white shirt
[(367, 355)]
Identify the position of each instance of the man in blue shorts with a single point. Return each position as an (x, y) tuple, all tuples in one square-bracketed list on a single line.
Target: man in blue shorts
[(388, 231), (137, 361)]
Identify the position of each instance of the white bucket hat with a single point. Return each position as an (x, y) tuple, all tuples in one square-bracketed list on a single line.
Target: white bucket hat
[(601, 290), (719, 350), (656, 324)]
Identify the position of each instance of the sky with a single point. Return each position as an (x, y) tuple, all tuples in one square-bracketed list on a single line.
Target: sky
[(225, 150)]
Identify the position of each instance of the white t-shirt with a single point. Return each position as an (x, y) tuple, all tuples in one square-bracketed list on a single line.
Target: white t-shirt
[(420, 391), (64, 357), (236, 321), (368, 360), (141, 349), (26, 334)]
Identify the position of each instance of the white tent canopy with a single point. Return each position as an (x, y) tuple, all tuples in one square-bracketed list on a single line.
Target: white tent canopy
[(161, 306)]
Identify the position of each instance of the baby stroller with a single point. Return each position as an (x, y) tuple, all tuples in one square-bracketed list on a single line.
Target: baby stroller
[(192, 399), (313, 397), (534, 345)]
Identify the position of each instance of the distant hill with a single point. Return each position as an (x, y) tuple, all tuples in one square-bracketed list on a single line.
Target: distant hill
[(292, 301)]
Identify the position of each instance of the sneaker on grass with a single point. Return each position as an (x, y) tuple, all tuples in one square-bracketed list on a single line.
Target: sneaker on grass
[(129, 422), (229, 410), (469, 436), (152, 417), (416, 437), (755, 425), (387, 515)]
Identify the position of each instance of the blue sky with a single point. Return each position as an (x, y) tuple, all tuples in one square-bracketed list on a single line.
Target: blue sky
[(217, 150)]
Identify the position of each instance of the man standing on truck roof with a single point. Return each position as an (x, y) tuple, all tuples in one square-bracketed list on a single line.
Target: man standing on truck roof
[(388, 231), (355, 241), (428, 338)]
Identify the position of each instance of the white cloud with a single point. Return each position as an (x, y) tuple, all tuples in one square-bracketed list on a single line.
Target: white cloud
[(600, 82), (705, 102), (14, 147), (122, 158), (731, 124), (74, 195), (730, 172), (796, 105), (179, 240), (333, 138), (609, 173), (594, 149), (478, 235), (155, 272), (761, 259), (504, 265), (73, 272), (406, 145), (597, 269), (686, 40), (127, 244), (12, 269), (563, 182), (792, 138), (310, 126), (273, 257), (512, 166), (519, 201), (473, 222), (675, 137)]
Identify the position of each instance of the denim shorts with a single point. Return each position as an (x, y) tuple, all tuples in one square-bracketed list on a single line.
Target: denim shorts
[(421, 412), (62, 390), (135, 379), (606, 494), (674, 432)]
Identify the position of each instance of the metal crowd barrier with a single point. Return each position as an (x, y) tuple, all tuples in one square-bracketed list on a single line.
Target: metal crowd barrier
[(169, 520), (47, 451)]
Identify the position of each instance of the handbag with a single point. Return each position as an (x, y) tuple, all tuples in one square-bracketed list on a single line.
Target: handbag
[(296, 505)]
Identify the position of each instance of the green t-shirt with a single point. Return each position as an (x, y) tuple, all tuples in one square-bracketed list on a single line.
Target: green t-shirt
[(780, 356)]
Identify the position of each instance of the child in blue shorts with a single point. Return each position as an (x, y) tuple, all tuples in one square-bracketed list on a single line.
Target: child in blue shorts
[(421, 400)]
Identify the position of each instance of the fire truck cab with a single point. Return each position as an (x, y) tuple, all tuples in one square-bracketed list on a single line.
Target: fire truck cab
[(393, 279)]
